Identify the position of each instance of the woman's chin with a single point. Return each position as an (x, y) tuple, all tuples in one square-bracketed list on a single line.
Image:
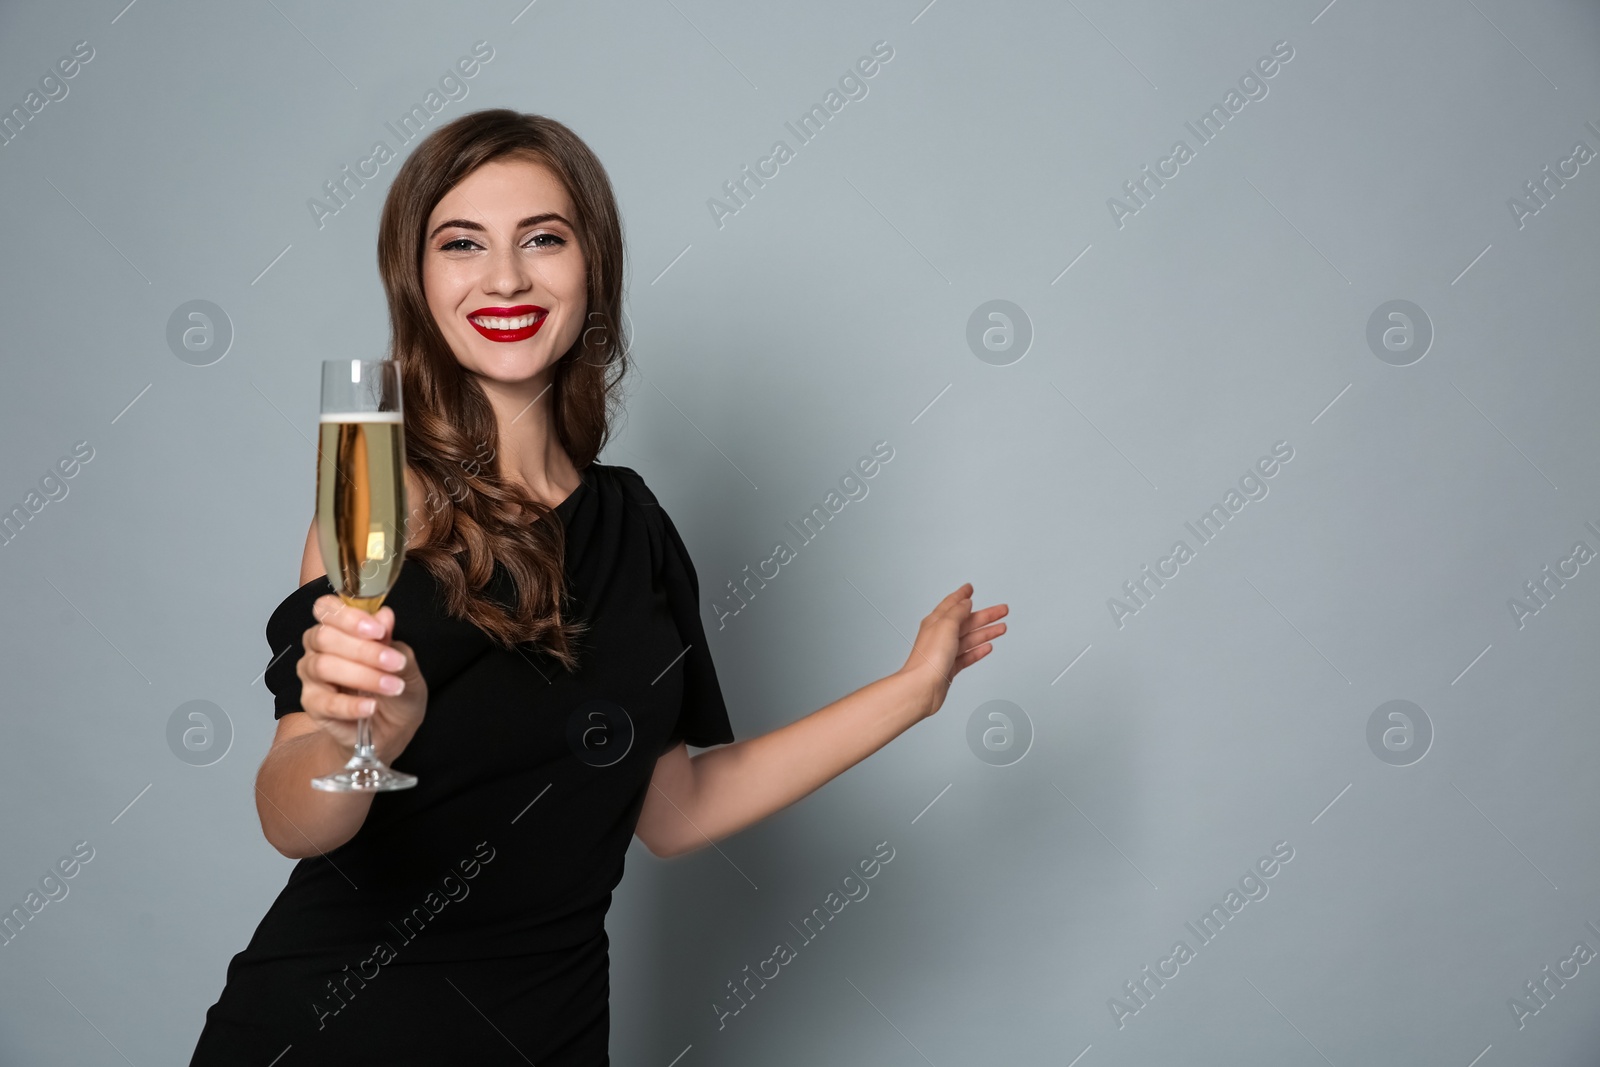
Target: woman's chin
[(510, 368)]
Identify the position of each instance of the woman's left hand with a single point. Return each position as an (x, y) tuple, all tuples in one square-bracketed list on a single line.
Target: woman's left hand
[(952, 638)]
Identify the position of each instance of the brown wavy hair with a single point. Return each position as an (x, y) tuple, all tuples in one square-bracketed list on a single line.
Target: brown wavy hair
[(473, 516)]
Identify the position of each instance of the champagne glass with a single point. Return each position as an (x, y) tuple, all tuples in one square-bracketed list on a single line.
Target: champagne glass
[(361, 504)]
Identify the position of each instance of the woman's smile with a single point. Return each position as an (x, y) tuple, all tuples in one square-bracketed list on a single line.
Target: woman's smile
[(509, 323)]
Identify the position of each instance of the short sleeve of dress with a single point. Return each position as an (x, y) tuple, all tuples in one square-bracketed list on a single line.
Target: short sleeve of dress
[(703, 718), (291, 619)]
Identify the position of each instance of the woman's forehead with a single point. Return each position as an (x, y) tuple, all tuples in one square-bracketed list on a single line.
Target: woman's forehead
[(504, 191)]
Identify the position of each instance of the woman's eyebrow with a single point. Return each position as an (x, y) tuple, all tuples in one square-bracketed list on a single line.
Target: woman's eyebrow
[(468, 224)]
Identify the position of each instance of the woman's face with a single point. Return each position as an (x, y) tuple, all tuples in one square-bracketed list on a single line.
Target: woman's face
[(502, 270)]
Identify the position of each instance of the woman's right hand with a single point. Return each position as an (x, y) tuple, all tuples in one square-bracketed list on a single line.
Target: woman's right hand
[(348, 649)]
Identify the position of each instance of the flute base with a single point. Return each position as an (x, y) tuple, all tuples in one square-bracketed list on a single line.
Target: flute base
[(364, 774)]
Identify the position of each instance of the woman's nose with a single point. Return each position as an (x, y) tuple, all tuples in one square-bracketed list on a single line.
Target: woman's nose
[(507, 271)]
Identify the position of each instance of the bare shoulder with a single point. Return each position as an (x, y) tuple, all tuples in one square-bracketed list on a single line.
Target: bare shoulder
[(311, 565)]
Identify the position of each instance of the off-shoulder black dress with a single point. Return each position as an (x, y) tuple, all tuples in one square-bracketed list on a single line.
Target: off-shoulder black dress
[(465, 920)]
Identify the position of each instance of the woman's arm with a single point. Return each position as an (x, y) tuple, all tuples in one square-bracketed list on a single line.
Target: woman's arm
[(693, 802), (296, 819)]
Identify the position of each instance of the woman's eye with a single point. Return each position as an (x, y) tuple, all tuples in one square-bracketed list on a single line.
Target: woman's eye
[(538, 240)]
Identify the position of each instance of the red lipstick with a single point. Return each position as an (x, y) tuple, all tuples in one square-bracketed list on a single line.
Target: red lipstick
[(501, 330)]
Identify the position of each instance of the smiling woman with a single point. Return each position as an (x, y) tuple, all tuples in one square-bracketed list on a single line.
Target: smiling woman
[(499, 243), (541, 665), (503, 223)]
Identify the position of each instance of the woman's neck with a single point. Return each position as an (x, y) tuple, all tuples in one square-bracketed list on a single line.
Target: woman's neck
[(530, 452)]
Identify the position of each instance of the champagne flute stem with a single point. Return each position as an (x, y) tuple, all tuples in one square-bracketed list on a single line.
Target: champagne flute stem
[(364, 738)]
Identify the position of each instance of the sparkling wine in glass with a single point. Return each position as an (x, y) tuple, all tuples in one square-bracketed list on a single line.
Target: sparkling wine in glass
[(361, 505)]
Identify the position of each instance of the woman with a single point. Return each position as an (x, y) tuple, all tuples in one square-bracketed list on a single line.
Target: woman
[(541, 659)]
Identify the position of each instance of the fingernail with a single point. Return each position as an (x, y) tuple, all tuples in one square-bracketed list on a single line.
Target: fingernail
[(391, 659), (391, 685), (371, 628), (367, 706)]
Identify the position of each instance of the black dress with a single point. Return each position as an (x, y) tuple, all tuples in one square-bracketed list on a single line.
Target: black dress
[(465, 921)]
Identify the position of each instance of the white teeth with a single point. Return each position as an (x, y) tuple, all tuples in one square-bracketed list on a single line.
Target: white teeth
[(505, 324)]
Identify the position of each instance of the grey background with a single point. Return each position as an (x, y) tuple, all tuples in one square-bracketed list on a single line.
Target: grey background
[(831, 312)]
